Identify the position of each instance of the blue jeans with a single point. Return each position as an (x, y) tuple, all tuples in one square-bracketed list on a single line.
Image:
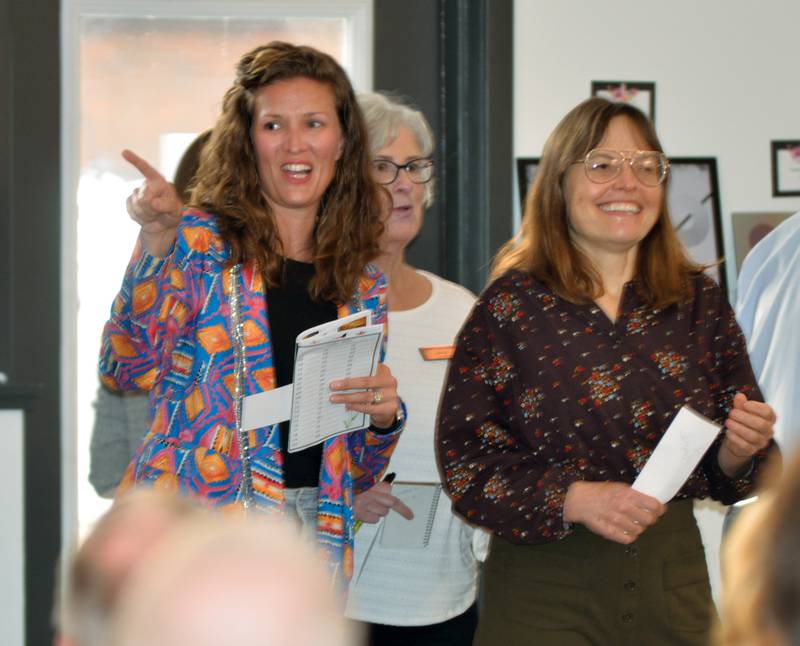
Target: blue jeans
[(301, 508)]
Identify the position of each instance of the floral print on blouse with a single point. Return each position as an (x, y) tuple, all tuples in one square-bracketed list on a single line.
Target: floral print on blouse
[(543, 392)]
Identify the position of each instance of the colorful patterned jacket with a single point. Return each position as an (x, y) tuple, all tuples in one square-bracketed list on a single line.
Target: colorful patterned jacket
[(170, 332)]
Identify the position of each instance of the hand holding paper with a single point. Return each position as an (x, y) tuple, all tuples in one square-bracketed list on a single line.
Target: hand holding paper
[(340, 351), (612, 510), (749, 428), (376, 396), (676, 455), (620, 512)]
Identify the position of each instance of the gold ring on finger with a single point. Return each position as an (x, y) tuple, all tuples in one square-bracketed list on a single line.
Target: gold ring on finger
[(377, 397)]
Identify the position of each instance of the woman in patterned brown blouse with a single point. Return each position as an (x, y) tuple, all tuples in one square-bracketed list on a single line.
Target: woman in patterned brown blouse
[(596, 330)]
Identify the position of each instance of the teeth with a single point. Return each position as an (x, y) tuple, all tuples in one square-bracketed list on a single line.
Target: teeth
[(297, 168), (626, 207)]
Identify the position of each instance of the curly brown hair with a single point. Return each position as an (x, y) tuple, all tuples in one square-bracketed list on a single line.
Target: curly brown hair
[(543, 247), (348, 227)]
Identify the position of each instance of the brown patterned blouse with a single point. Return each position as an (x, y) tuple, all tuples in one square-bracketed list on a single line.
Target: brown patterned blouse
[(543, 392)]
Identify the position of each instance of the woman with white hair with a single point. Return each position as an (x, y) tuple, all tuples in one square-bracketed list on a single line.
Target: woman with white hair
[(412, 594)]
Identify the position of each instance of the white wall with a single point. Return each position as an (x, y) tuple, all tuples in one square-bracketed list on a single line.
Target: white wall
[(12, 532), (725, 71)]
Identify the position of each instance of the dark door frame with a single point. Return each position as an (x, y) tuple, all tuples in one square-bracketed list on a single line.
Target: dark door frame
[(453, 59), (30, 279)]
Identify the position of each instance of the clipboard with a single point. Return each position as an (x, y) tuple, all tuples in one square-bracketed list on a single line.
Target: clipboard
[(423, 499)]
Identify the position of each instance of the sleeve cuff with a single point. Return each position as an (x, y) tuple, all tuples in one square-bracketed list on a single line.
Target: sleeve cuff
[(397, 425), (146, 265)]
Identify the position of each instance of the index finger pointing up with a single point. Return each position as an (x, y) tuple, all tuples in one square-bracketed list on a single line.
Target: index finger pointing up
[(142, 166)]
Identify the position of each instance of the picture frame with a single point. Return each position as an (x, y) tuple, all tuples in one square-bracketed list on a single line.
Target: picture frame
[(749, 227), (526, 171), (785, 167), (693, 200), (640, 94)]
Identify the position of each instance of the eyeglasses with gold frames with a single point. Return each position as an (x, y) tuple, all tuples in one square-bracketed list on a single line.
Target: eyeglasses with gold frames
[(650, 167)]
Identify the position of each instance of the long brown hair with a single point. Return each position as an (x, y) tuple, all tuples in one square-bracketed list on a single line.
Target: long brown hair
[(543, 247), (348, 228)]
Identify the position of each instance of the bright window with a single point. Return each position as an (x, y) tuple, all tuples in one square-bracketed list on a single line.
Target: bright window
[(149, 77)]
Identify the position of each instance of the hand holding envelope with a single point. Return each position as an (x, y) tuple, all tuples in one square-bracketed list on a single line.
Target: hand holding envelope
[(677, 454)]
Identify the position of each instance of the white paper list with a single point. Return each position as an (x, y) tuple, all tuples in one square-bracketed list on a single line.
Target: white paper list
[(339, 349), (314, 417)]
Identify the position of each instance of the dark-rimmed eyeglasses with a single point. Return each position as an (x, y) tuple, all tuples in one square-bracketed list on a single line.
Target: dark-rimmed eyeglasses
[(650, 167), (420, 171)]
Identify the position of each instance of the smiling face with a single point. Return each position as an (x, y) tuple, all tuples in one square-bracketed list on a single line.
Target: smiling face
[(613, 217), (297, 139), (405, 218)]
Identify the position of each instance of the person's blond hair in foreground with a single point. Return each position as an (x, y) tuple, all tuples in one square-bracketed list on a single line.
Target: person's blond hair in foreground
[(249, 581), (112, 551), (761, 579)]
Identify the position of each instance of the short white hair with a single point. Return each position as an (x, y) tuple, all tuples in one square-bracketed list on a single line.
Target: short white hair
[(98, 570), (385, 116)]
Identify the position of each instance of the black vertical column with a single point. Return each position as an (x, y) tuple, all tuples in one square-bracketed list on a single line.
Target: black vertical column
[(407, 65), (6, 247), (454, 58), (30, 327), (476, 108)]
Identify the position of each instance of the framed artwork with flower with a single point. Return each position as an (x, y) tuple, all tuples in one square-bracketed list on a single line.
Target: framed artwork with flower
[(640, 94), (785, 168), (693, 199)]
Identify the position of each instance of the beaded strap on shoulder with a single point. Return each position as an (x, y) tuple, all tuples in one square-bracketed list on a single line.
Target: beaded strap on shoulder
[(245, 494)]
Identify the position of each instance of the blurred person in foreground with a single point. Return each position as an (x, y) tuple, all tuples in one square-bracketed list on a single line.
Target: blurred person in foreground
[(595, 332), (760, 603), (413, 595), (115, 548), (246, 582), (282, 227)]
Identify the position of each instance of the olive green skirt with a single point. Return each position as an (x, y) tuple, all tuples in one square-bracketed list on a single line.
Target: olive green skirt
[(585, 589)]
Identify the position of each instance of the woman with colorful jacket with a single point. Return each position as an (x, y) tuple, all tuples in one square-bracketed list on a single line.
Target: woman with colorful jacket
[(283, 225)]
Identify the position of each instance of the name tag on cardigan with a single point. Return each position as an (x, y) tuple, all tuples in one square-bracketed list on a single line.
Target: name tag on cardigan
[(438, 352)]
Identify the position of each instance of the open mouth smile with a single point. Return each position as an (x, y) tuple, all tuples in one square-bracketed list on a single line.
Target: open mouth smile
[(298, 171), (620, 207)]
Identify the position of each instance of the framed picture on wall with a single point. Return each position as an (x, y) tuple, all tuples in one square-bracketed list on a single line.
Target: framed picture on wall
[(640, 94), (749, 228), (785, 168), (526, 171), (693, 200)]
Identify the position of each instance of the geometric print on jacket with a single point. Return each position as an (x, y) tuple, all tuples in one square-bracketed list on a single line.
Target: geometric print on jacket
[(170, 333)]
